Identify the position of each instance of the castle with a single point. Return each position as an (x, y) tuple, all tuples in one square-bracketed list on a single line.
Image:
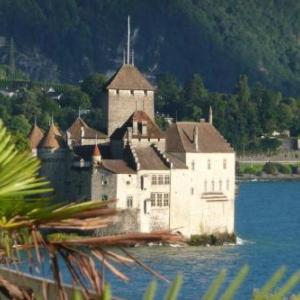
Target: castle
[(183, 178)]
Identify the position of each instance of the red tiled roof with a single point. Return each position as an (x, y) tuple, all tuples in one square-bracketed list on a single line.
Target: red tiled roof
[(128, 77), (180, 138), (35, 136)]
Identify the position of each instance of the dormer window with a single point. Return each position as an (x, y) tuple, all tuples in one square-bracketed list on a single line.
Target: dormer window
[(117, 91), (145, 92), (132, 92)]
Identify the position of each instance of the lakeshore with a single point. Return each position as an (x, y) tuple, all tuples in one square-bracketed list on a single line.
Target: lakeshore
[(265, 242)]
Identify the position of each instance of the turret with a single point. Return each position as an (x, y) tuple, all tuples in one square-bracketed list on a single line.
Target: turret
[(96, 157), (35, 136)]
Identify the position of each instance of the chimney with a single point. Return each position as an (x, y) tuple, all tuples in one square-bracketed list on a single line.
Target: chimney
[(81, 134), (210, 118), (69, 140), (144, 128), (196, 138), (129, 133), (134, 127)]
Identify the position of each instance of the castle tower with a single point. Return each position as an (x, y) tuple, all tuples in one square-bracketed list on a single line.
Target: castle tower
[(52, 152), (127, 91), (35, 136)]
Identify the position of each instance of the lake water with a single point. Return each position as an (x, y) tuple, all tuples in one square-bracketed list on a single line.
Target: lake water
[(268, 222)]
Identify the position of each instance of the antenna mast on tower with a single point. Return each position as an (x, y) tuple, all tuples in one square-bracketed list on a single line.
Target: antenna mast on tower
[(128, 40)]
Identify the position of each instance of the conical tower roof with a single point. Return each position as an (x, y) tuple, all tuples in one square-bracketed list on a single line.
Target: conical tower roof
[(52, 139), (35, 136), (96, 152)]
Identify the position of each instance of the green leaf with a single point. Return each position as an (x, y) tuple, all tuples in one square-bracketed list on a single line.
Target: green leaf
[(215, 286), (174, 289), (235, 284), (151, 290)]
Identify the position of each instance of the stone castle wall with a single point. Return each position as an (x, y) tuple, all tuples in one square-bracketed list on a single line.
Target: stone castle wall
[(123, 103)]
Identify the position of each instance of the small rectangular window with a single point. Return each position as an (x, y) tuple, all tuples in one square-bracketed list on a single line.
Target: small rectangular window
[(192, 191), (104, 180), (132, 92), (104, 197), (224, 164), (145, 92), (167, 179), (154, 180), (205, 186), (220, 185), (166, 199), (212, 186), (159, 199), (160, 179), (208, 164), (227, 184), (117, 92), (152, 199), (193, 165)]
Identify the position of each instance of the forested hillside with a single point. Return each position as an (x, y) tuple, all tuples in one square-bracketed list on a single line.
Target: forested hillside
[(68, 40)]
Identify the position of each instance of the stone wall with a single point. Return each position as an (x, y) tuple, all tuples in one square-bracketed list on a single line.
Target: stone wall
[(122, 104), (285, 157), (54, 167)]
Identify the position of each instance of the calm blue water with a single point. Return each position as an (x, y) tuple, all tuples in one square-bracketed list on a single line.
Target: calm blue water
[(267, 220)]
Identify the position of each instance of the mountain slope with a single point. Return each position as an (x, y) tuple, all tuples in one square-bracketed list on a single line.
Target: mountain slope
[(68, 40)]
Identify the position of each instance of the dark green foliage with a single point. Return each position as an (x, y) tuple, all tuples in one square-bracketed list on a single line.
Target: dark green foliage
[(219, 39), (212, 239), (270, 168)]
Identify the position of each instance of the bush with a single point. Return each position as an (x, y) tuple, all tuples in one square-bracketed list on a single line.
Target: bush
[(284, 169), (270, 168), (217, 239)]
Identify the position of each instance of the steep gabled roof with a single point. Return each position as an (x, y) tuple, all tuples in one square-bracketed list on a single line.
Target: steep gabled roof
[(180, 138), (153, 130), (89, 133), (35, 136), (52, 138), (128, 77)]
